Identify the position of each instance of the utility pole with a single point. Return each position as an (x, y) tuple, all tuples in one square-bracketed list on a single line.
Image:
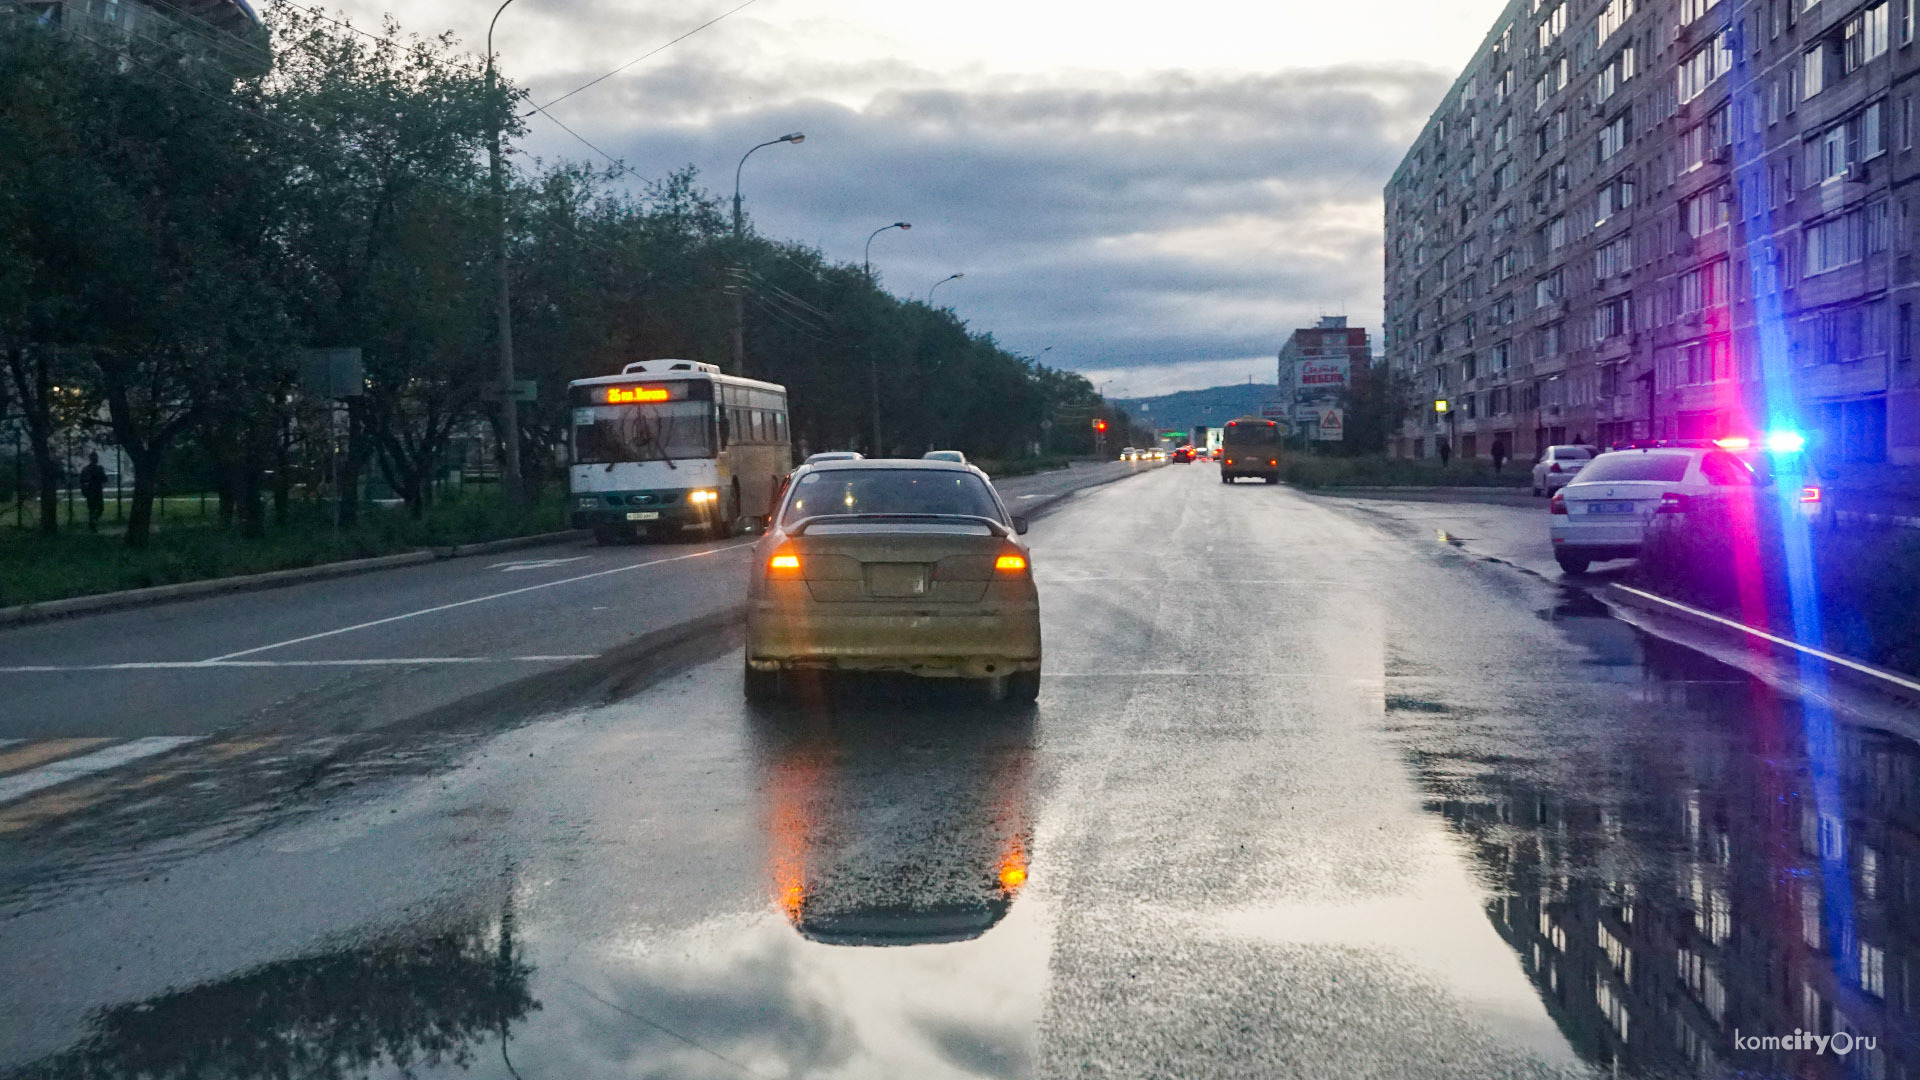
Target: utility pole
[(503, 310)]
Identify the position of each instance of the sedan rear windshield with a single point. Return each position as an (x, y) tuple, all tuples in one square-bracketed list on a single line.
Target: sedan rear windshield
[(840, 492), (1570, 453), (1635, 465)]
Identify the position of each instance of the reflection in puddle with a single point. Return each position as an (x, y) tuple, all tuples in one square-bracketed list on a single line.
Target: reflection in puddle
[(1719, 862), (426, 1000), (890, 827)]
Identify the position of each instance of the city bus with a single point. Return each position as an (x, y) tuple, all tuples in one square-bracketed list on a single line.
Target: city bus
[(1250, 446), (672, 445)]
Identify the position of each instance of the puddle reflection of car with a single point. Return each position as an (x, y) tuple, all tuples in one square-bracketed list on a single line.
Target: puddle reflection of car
[(882, 837), (893, 566)]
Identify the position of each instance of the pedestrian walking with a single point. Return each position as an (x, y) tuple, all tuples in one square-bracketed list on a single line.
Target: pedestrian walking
[(93, 488), (1446, 452), (1499, 454)]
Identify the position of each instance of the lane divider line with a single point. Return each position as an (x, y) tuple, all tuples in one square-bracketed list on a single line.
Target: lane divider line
[(377, 661), (475, 600), (24, 784), (1841, 661)]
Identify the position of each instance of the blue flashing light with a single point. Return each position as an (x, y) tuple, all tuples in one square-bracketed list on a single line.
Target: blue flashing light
[(1786, 442)]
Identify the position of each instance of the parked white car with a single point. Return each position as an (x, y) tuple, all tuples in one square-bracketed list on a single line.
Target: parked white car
[(1604, 512), (1558, 466)]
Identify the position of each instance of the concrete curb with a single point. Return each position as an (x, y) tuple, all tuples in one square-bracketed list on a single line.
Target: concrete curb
[(1845, 669), (272, 579)]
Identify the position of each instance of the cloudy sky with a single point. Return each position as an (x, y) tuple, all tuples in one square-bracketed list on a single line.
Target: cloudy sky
[(1155, 194)]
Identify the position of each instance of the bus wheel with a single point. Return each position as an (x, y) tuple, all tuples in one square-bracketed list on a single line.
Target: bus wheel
[(722, 525)]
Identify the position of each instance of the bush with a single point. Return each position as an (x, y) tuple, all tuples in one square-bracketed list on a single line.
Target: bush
[(1731, 557), (1315, 472)]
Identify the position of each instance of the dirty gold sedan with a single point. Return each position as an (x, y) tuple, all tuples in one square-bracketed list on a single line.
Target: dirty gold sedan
[(884, 565)]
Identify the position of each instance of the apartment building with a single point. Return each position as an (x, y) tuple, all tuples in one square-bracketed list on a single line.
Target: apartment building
[(227, 34), (1664, 218)]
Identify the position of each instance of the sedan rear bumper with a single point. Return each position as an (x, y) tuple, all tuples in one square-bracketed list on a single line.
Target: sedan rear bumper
[(970, 644)]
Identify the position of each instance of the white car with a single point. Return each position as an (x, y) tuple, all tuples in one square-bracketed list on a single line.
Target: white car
[(1604, 512), (1558, 465)]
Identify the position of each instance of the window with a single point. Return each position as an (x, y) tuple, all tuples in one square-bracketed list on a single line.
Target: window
[(1613, 198), (1556, 233), (1549, 289), (1613, 318), (1693, 9), (1699, 70), (1553, 26), (1703, 287), (1552, 339), (1864, 37), (1617, 71), (1813, 70), (1836, 242), (1611, 18), (1906, 21), (1613, 137), (1706, 211), (1612, 259)]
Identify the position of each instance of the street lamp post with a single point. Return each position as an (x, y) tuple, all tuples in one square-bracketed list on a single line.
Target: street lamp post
[(866, 261), (737, 350), (503, 311), (942, 281)]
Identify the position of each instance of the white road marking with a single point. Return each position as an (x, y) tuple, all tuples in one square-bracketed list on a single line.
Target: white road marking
[(1777, 640), (531, 564), (474, 600), (379, 661), (46, 776)]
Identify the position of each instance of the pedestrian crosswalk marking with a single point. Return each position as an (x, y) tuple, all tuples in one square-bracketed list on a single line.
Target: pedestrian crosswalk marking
[(22, 784)]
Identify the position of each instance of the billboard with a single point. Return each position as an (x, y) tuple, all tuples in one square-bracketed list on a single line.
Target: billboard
[(1328, 373)]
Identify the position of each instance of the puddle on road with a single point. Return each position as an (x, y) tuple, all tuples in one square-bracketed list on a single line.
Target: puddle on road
[(884, 932), (1699, 858)]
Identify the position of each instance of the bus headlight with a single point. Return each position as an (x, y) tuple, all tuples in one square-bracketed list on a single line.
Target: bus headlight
[(699, 497)]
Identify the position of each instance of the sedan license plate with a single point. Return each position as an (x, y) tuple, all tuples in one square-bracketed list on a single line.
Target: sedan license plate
[(644, 515), (1610, 508), (897, 579)]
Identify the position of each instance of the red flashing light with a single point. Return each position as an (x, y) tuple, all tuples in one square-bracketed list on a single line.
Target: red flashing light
[(1809, 494), (1733, 442)]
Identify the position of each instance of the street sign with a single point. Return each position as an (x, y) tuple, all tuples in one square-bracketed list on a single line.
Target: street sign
[(1274, 410), (523, 390), (333, 374), (1333, 424)]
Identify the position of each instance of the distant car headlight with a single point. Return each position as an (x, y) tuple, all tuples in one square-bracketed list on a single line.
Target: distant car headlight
[(702, 496)]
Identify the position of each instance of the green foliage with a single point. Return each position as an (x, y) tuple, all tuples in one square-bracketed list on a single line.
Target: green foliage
[(1314, 471), (1732, 558), (35, 568)]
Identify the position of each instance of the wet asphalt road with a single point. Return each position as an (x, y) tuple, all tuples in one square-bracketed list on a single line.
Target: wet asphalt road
[(1310, 791)]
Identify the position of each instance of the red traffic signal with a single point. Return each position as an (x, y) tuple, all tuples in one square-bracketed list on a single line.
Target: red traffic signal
[(1099, 425)]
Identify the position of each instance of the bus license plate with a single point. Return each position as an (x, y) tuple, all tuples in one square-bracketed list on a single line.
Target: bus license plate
[(1610, 508), (644, 515)]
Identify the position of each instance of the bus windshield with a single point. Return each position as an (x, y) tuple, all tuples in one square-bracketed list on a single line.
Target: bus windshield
[(604, 434)]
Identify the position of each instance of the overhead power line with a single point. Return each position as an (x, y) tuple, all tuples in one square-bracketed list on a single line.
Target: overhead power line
[(649, 53)]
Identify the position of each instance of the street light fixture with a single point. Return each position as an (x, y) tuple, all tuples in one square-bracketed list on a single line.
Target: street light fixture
[(942, 281), (503, 304), (738, 348), (867, 260)]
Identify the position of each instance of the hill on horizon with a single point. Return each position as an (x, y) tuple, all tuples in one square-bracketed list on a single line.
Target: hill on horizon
[(1213, 406)]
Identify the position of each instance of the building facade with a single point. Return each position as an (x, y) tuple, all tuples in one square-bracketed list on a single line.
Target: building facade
[(227, 34), (1319, 366), (1669, 219)]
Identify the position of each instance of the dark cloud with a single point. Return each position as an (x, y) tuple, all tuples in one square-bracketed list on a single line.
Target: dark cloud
[(1137, 221)]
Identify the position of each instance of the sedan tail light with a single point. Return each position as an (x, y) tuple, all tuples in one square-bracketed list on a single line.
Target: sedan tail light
[(1557, 504), (1555, 467), (1809, 494), (784, 564), (1011, 563), (1673, 503)]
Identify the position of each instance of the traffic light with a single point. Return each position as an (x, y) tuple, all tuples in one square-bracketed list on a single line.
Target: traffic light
[(1100, 426)]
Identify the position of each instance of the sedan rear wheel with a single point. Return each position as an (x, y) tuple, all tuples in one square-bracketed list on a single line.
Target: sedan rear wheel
[(762, 687), (1573, 564)]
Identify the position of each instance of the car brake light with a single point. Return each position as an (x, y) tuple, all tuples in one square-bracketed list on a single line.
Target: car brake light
[(1272, 461), (1010, 563), (1809, 494), (1558, 504), (1673, 503), (1555, 467), (785, 562)]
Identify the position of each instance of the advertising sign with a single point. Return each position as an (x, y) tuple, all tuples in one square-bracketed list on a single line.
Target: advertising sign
[(1327, 373), (1274, 410)]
